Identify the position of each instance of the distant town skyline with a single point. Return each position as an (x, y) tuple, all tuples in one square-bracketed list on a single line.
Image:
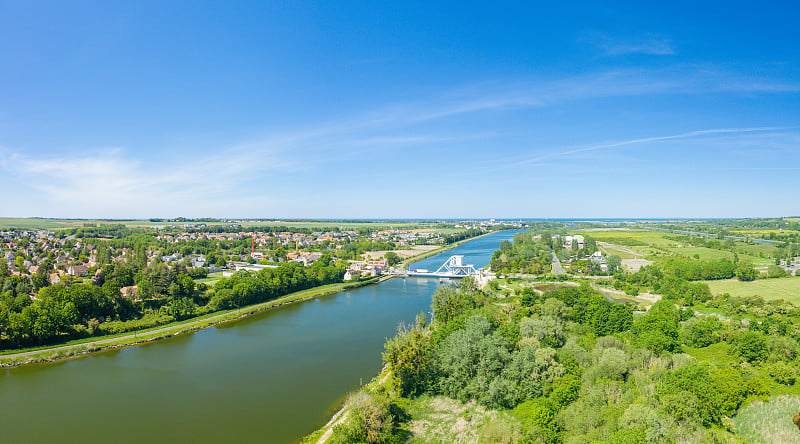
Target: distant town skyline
[(380, 110)]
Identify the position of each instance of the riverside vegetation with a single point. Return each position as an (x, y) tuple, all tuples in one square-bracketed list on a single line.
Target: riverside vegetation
[(558, 363), (40, 304)]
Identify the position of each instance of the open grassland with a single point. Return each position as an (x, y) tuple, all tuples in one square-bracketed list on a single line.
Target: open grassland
[(755, 249), (630, 237), (770, 422), (706, 254), (55, 224), (787, 288), (40, 224), (622, 252), (648, 243)]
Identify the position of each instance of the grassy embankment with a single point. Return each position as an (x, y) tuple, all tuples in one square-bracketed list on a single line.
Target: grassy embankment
[(87, 345), (91, 344)]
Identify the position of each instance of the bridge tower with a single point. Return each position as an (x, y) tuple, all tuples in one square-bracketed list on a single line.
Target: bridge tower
[(455, 267)]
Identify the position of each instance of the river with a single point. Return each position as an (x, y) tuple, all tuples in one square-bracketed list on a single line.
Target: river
[(273, 377)]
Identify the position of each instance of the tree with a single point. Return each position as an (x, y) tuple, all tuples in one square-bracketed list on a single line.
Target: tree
[(392, 258), (408, 355), (746, 272), (547, 331), (448, 303), (614, 263), (752, 346), (470, 359), (657, 330), (775, 271)]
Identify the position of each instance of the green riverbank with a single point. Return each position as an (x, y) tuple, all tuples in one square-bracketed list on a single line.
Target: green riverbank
[(91, 345), (83, 346)]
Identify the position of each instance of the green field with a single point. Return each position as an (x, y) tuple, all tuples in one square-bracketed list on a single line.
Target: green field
[(652, 243), (211, 279), (628, 237), (55, 224), (705, 254), (787, 288)]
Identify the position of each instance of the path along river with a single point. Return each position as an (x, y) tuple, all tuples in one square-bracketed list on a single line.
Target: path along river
[(271, 378)]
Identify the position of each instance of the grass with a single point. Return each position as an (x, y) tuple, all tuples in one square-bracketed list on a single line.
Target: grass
[(715, 354), (618, 252), (439, 419), (706, 254), (756, 249), (211, 279), (652, 242), (787, 288), (769, 422)]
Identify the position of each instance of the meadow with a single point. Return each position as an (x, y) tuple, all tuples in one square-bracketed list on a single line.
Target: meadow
[(787, 288), (650, 244), (769, 422)]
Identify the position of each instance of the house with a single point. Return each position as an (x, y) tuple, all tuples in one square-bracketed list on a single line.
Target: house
[(55, 278), (77, 270), (348, 276), (377, 264), (597, 257), (130, 291)]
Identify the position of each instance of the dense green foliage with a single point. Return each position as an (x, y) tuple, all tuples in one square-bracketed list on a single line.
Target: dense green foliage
[(244, 288), (573, 367), (525, 255), (67, 311)]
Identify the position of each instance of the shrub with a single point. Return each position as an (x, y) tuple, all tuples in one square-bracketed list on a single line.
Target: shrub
[(369, 420), (782, 373), (752, 346)]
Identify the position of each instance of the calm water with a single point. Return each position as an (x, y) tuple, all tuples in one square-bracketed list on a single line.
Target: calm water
[(273, 377)]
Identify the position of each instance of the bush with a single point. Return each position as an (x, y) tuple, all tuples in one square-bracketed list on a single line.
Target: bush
[(565, 390), (548, 331), (657, 330), (689, 393), (782, 373), (612, 364), (369, 420), (701, 332), (408, 355), (752, 346)]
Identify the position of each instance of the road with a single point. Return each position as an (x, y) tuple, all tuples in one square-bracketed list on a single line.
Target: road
[(557, 268), (161, 330)]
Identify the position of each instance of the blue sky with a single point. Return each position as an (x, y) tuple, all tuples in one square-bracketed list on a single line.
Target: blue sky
[(399, 109)]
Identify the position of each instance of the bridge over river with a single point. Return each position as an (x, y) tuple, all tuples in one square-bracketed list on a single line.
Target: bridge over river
[(453, 267)]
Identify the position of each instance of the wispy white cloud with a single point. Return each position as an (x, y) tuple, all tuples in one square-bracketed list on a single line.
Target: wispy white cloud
[(548, 158), (644, 44), (540, 93), (117, 182), (645, 140), (111, 182)]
